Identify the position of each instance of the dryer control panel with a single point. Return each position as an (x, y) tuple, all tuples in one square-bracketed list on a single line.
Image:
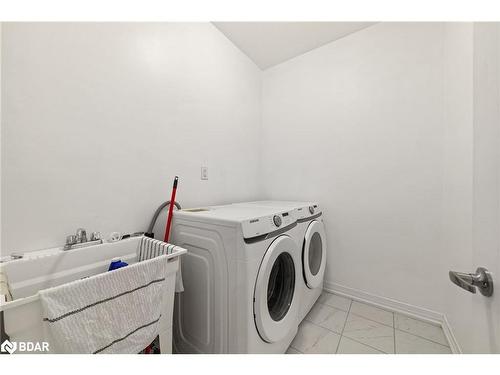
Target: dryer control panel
[(267, 224), (305, 212)]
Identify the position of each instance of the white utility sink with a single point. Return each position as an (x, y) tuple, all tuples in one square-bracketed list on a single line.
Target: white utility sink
[(48, 268)]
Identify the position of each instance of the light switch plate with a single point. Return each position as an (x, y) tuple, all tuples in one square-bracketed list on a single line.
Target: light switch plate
[(204, 173)]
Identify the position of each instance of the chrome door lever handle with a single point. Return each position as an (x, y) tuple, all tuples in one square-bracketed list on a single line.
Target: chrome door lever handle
[(481, 280), (463, 280)]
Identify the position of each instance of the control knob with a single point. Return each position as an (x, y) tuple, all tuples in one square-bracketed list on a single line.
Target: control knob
[(277, 220)]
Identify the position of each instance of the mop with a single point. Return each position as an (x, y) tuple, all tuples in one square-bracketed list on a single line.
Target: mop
[(171, 209), (167, 229)]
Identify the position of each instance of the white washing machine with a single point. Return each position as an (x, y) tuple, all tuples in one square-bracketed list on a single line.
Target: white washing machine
[(311, 239), (241, 280)]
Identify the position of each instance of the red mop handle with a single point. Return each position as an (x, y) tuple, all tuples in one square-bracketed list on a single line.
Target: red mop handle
[(171, 209)]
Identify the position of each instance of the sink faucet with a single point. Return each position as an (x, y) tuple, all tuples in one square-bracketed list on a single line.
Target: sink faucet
[(79, 239)]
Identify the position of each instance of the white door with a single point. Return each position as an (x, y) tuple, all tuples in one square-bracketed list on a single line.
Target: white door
[(485, 311), (314, 254), (276, 294)]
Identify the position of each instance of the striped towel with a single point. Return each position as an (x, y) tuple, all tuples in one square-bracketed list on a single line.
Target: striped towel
[(150, 248), (113, 312)]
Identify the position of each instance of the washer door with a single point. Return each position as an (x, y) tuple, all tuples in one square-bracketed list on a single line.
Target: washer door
[(276, 294), (314, 254)]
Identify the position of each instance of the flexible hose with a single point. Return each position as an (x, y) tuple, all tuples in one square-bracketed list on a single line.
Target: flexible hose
[(149, 232)]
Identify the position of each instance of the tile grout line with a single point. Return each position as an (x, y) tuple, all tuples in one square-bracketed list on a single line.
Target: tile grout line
[(393, 321), (388, 311), (338, 334), (361, 343), (372, 320), (293, 347), (423, 338), (400, 330), (345, 323), (333, 307), (325, 328), (367, 345), (394, 330)]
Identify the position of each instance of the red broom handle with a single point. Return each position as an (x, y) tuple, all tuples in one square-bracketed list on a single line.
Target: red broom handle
[(171, 210)]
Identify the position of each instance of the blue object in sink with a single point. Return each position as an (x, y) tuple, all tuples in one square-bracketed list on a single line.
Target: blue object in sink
[(116, 263)]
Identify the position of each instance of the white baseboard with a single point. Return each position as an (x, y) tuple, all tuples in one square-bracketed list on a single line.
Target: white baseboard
[(407, 309), (450, 336)]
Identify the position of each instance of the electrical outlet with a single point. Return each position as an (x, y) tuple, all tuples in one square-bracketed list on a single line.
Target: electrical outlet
[(204, 173)]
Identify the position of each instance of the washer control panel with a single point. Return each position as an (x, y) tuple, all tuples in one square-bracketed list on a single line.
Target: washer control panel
[(267, 224)]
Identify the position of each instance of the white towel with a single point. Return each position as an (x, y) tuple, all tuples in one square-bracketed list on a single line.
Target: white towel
[(150, 248), (113, 312)]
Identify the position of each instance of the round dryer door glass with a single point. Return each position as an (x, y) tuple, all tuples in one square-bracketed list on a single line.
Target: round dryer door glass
[(275, 301), (281, 286), (314, 254)]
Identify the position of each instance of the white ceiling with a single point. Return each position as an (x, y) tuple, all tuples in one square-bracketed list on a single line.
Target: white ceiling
[(271, 43)]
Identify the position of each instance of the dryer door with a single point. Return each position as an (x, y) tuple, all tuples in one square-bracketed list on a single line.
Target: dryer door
[(314, 254), (276, 293)]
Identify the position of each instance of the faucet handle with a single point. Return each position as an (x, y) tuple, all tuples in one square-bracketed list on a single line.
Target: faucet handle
[(81, 235), (95, 236), (71, 239)]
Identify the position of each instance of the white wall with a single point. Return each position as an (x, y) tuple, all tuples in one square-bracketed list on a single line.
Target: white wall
[(396, 131), (359, 125), (98, 118)]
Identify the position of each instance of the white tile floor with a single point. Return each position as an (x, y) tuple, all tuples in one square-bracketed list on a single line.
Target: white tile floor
[(336, 324)]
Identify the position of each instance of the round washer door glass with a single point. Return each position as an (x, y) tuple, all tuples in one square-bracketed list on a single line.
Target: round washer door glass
[(281, 286), (314, 254), (275, 297)]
